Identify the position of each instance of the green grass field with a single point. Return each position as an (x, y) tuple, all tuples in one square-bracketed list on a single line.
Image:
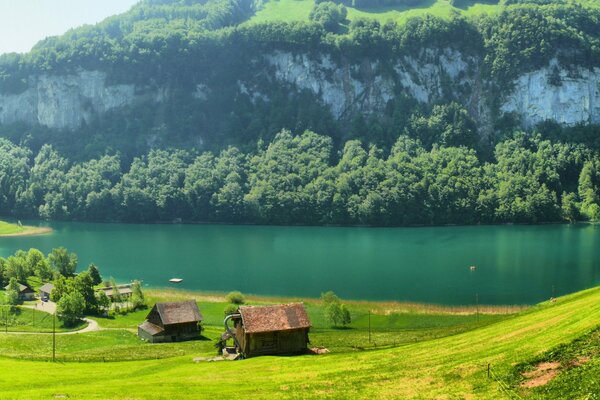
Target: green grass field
[(453, 366), (28, 320), (299, 10), (8, 229)]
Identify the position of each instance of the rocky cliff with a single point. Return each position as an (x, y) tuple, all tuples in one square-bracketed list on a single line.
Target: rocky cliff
[(568, 95)]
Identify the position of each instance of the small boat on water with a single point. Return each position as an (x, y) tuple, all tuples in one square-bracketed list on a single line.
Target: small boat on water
[(175, 280)]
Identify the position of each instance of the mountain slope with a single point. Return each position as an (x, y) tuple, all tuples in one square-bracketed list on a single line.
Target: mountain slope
[(195, 74), (453, 366)]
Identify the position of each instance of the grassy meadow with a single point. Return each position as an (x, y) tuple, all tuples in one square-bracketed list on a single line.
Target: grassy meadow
[(10, 229), (299, 10), (446, 356)]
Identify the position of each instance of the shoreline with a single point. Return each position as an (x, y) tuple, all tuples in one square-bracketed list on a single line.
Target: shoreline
[(383, 307), (30, 231)]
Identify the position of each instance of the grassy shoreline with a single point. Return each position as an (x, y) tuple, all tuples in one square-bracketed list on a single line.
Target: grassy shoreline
[(383, 306), (11, 230)]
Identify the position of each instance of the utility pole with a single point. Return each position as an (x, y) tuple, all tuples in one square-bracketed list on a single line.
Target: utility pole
[(369, 326), (54, 337), (6, 324)]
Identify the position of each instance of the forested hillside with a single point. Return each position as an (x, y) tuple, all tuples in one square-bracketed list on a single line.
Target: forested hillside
[(204, 110)]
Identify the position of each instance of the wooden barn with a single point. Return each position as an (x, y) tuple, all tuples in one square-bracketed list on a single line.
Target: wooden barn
[(171, 322), (270, 330)]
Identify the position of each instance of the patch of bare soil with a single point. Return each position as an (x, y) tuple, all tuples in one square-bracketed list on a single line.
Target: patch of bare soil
[(541, 375), (580, 361), (318, 350)]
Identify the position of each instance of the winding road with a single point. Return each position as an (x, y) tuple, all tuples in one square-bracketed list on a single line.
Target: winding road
[(50, 308)]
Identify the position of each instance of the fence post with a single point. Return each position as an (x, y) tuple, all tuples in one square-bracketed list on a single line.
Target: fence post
[(488, 371)]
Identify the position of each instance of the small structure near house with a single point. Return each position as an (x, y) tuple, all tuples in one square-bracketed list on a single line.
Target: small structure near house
[(270, 330), (46, 291), (171, 322), (25, 292), (124, 291)]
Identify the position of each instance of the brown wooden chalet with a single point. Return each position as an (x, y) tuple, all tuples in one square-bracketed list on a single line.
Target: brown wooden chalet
[(270, 330), (171, 322)]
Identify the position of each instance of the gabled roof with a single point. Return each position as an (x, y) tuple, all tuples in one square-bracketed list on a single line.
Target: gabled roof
[(282, 317), (151, 328), (22, 288), (178, 313), (47, 288)]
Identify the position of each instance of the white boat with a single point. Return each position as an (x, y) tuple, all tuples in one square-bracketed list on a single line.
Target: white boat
[(175, 280)]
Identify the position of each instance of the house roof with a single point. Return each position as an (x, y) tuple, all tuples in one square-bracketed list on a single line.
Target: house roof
[(22, 288), (179, 312), (47, 288), (280, 317), (151, 328), (123, 290)]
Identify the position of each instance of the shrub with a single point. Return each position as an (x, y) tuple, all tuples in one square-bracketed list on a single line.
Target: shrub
[(235, 298), (230, 309)]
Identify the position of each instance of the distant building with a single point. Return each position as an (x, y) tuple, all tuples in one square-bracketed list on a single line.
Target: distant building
[(46, 291), (25, 293), (271, 330), (124, 291), (171, 322)]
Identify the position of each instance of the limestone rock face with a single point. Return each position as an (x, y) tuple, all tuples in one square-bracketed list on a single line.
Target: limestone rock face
[(64, 101), (569, 97)]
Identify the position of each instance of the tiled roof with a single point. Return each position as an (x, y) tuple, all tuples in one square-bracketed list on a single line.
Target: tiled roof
[(281, 317)]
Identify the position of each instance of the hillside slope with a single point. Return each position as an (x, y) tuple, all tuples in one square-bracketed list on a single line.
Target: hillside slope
[(207, 74), (450, 367)]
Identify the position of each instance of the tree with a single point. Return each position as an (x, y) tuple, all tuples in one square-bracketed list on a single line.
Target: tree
[(63, 262), (569, 208), (346, 317), (94, 274), (70, 308), (235, 298), (329, 297), (84, 285), (333, 313), (137, 296), (329, 14), (12, 293), (102, 301), (116, 295)]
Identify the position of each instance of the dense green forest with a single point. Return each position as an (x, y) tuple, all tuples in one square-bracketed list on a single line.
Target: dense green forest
[(413, 164), (301, 179)]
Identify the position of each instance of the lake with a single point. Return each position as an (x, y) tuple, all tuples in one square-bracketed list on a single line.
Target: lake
[(514, 264)]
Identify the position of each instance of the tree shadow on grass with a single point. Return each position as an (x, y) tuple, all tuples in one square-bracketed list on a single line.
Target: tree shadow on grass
[(423, 4), (465, 4)]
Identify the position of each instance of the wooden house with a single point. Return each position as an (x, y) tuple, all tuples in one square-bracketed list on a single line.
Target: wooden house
[(271, 330), (25, 292), (46, 291), (124, 291), (171, 322)]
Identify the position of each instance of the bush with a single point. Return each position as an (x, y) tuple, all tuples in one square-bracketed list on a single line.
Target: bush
[(235, 298), (70, 308), (230, 309)]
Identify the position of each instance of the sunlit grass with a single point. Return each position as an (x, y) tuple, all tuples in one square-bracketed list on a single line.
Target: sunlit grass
[(299, 10), (451, 367)]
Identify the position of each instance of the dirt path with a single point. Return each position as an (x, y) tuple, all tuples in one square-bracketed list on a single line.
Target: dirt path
[(50, 308)]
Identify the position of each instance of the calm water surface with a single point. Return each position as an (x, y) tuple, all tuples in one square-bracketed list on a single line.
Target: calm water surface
[(515, 264)]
